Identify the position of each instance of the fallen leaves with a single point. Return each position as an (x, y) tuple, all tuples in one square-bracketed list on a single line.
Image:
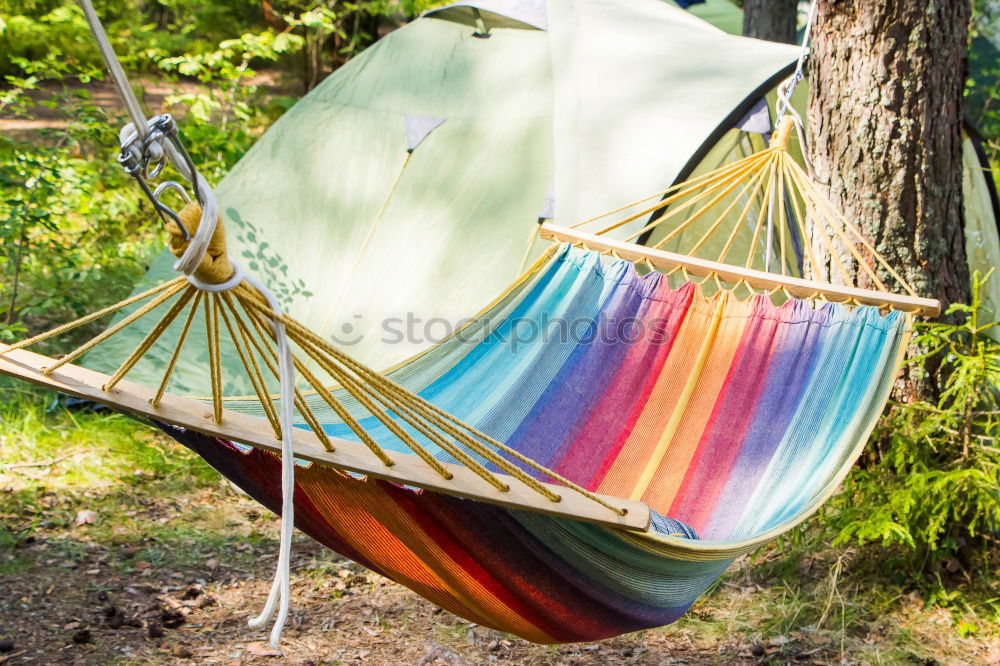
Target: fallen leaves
[(85, 517), (264, 650)]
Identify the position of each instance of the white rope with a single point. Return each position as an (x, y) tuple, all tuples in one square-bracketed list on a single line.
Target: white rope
[(114, 67), (153, 148), (216, 288), (786, 89), (281, 587)]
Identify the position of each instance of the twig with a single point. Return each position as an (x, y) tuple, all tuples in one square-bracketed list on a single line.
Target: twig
[(39, 463)]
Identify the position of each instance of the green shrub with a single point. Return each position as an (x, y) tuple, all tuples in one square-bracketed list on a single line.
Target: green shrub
[(930, 486)]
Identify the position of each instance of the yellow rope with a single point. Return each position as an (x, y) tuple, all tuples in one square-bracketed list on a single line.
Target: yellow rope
[(300, 334), (253, 372), (138, 314), (214, 361), (704, 210), (800, 222), (264, 333), (782, 222), (172, 363), (269, 357), (768, 198), (680, 190), (744, 167), (752, 184), (59, 330), (151, 338), (412, 415), (744, 213)]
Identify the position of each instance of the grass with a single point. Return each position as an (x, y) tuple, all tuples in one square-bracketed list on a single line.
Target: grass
[(165, 521)]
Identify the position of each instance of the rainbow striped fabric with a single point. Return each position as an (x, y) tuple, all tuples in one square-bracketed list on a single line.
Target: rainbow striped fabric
[(733, 419)]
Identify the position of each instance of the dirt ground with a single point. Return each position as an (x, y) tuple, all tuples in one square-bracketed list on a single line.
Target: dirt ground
[(166, 566), (152, 93), (73, 599)]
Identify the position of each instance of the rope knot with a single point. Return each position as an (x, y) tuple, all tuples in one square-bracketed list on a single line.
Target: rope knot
[(783, 133), (215, 266)]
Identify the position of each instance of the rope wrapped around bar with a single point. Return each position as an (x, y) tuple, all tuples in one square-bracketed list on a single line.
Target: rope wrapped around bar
[(215, 266)]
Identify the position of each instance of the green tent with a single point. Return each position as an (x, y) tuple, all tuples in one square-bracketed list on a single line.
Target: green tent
[(403, 194)]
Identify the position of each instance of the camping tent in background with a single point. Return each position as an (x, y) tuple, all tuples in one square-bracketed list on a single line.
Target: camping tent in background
[(434, 153), (982, 205)]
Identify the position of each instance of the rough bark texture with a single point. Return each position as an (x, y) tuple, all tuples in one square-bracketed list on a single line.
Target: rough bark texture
[(885, 122), (773, 20)]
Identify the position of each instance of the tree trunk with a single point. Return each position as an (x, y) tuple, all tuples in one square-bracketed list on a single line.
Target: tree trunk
[(885, 127), (773, 20)]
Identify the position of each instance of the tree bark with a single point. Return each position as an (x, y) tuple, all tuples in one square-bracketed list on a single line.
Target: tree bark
[(885, 127), (773, 20)]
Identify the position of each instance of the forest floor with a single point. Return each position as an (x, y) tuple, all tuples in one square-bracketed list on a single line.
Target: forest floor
[(47, 111), (119, 546)]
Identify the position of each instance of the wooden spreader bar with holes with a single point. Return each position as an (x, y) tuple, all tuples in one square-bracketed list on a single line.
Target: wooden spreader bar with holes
[(350, 456), (797, 287)]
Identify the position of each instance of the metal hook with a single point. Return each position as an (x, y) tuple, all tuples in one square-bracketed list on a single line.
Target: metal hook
[(171, 185), (136, 161), (176, 187), (164, 123)]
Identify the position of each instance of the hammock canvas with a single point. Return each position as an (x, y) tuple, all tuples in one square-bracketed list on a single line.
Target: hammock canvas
[(667, 412), (732, 418)]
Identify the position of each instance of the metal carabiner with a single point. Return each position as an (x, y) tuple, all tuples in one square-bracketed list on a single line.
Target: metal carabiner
[(176, 187), (164, 123)]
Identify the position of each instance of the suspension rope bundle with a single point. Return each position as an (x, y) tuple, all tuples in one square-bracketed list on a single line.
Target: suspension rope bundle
[(708, 213), (144, 143)]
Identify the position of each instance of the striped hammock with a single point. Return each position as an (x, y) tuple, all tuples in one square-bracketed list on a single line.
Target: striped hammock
[(623, 433), (735, 418)]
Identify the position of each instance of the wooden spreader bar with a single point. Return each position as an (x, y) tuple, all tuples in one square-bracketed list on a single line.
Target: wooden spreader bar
[(732, 274), (350, 456)]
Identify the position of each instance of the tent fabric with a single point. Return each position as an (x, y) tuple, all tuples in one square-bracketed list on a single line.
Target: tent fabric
[(418, 128), (781, 408), (603, 107), (496, 13), (982, 236)]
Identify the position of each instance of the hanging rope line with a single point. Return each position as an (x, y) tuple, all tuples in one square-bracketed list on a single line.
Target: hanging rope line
[(708, 214), (786, 89), (146, 147)]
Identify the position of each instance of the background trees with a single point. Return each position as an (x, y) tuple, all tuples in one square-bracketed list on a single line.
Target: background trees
[(773, 20)]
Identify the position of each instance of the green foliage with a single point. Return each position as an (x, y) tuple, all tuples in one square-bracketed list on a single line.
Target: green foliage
[(932, 484), (982, 92), (224, 116), (72, 228)]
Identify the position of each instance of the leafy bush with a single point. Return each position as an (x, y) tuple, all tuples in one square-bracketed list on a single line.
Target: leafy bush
[(930, 486)]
